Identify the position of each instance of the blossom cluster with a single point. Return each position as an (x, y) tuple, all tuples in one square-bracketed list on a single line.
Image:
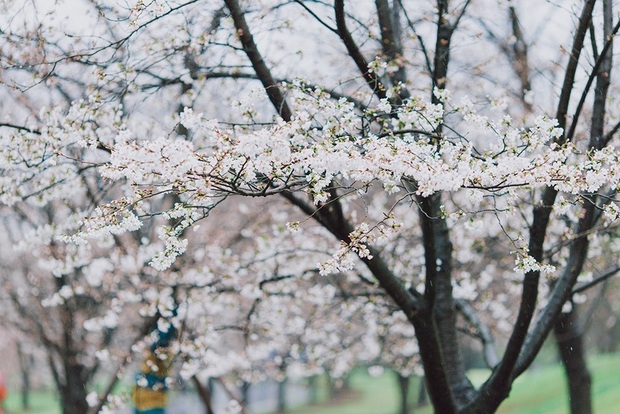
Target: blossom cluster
[(331, 143)]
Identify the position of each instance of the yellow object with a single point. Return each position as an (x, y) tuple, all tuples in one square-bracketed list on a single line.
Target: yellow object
[(146, 399), (155, 365), (150, 391)]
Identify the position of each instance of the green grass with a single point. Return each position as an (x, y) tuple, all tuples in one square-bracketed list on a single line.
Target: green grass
[(542, 391), (41, 402), (369, 394)]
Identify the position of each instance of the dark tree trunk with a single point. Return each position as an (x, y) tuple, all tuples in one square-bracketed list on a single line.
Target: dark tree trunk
[(281, 407), (403, 387), (568, 333), (245, 393), (422, 394), (73, 391), (438, 290), (570, 346), (281, 396), (25, 364)]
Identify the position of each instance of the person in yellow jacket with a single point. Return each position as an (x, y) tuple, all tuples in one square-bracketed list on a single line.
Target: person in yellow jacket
[(150, 393)]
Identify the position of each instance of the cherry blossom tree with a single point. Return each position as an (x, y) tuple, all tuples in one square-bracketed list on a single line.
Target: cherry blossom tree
[(72, 302), (439, 152)]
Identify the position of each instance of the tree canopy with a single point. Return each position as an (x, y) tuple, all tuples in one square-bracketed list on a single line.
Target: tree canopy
[(308, 181)]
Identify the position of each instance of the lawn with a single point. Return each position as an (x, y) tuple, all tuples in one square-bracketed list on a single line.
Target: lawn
[(41, 402), (542, 391), (539, 392)]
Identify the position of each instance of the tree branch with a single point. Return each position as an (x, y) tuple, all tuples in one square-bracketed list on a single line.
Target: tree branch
[(20, 128), (391, 43), (488, 344), (600, 278), (371, 78), (571, 69), (260, 67)]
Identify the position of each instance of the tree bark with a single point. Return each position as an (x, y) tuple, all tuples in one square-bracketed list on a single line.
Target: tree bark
[(281, 396), (403, 388), (569, 334), (25, 363), (436, 235), (438, 293), (245, 393), (260, 67), (205, 395), (422, 394), (569, 337), (523, 346), (73, 391)]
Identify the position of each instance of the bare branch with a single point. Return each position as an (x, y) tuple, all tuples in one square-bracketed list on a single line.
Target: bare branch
[(598, 279), (260, 67), (371, 78), (488, 344)]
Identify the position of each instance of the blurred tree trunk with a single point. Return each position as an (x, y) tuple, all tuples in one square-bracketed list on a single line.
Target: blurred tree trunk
[(205, 395), (569, 337), (403, 388), (25, 364), (245, 393), (313, 390), (567, 330), (73, 391), (282, 396), (282, 386), (422, 394)]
